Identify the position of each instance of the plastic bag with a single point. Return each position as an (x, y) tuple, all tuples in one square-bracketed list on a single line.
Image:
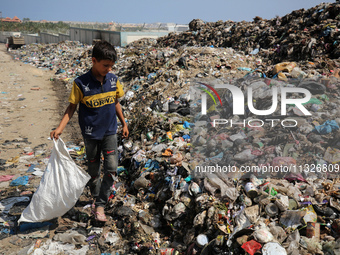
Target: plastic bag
[(284, 67), (59, 189), (263, 235), (273, 249), (251, 247), (292, 219)]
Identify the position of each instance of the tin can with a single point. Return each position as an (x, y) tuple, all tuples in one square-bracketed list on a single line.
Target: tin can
[(271, 210), (293, 204), (258, 145), (250, 190), (37, 244), (315, 107), (149, 135), (313, 230)]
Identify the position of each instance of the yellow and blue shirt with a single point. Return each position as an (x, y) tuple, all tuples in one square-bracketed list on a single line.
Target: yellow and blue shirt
[(97, 107)]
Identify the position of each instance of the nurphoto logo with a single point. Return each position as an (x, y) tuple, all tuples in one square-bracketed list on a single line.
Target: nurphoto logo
[(239, 105)]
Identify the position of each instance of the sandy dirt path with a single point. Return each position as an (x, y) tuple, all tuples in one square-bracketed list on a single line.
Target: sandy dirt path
[(31, 105)]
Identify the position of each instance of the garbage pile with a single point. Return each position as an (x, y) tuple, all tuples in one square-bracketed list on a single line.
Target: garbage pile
[(67, 59), (161, 75), (168, 197), (300, 35)]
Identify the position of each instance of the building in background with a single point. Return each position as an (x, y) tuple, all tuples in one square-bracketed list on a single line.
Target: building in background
[(15, 19)]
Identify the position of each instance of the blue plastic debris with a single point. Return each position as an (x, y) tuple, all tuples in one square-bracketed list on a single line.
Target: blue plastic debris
[(120, 169), (22, 180), (167, 179), (218, 156), (151, 164), (327, 127), (185, 137), (244, 69), (135, 87), (31, 168), (187, 124), (5, 231), (188, 179), (254, 52), (90, 238), (151, 75), (73, 148)]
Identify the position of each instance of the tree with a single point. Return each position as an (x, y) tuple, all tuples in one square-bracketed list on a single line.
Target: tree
[(26, 20)]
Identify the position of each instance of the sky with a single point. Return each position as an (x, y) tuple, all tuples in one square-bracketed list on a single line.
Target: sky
[(151, 11)]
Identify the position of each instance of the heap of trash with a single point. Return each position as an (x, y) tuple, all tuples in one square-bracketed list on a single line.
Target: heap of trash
[(204, 182), (300, 35)]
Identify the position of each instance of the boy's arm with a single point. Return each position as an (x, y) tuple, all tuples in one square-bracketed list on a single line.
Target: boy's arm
[(67, 116), (122, 119)]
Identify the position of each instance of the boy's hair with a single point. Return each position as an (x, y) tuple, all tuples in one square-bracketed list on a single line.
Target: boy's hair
[(104, 50)]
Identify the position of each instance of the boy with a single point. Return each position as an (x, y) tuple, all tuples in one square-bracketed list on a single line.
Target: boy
[(97, 92)]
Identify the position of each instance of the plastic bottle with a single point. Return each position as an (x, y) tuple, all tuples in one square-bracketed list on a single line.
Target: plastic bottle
[(298, 73), (250, 190)]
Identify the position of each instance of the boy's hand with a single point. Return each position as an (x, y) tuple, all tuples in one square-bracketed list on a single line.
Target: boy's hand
[(67, 116), (55, 134), (125, 132)]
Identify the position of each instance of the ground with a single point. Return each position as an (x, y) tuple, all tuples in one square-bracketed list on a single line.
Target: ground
[(31, 106)]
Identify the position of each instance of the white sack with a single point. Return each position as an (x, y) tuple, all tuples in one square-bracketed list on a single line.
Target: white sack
[(59, 189)]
